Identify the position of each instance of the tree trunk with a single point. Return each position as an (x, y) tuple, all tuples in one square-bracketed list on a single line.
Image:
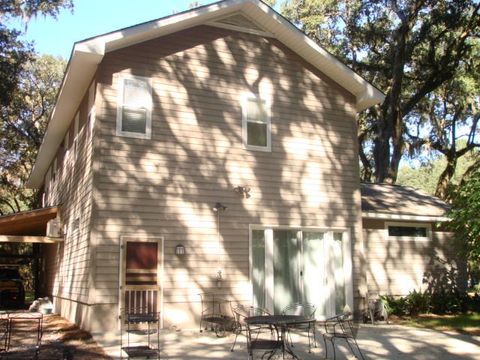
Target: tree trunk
[(390, 127), (446, 177)]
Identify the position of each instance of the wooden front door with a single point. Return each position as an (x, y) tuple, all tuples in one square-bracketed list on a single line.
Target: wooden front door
[(141, 273)]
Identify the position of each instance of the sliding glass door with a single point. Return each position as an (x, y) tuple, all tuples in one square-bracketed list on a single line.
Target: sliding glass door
[(300, 265)]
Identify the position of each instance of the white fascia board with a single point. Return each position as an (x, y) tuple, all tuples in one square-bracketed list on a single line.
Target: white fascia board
[(78, 76), (405, 217)]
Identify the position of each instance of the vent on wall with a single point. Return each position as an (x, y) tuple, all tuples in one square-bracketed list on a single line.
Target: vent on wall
[(239, 21)]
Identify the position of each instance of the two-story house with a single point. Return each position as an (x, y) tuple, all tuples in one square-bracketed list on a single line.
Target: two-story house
[(214, 150)]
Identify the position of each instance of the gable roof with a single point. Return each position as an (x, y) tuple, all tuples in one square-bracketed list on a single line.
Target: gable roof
[(396, 202), (260, 18)]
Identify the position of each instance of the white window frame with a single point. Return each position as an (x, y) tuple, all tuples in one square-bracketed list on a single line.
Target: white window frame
[(269, 281), (244, 103), (428, 227), (148, 121)]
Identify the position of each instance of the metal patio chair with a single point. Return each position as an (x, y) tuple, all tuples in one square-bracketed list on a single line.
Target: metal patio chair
[(263, 338), (376, 308), (342, 327), (308, 311), (25, 334), (214, 315), (240, 312), (4, 335)]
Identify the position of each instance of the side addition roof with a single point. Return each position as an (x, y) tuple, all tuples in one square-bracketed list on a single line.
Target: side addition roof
[(87, 54), (395, 202)]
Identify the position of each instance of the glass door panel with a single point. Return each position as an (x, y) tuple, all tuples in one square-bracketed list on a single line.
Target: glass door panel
[(338, 274), (286, 270), (258, 268), (314, 286)]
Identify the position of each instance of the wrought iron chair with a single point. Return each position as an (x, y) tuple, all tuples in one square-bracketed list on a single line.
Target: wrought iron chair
[(240, 312), (214, 314), (26, 329), (4, 335), (342, 327), (308, 311), (263, 338), (376, 308)]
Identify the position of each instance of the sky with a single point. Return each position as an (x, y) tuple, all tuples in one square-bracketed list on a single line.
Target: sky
[(95, 17)]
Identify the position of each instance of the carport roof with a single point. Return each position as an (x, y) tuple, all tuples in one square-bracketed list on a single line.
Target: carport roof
[(31, 223)]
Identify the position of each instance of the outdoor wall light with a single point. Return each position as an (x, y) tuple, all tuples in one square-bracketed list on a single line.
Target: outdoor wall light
[(219, 207), (243, 191), (219, 278), (180, 250)]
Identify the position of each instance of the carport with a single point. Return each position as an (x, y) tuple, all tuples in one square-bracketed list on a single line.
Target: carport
[(30, 227)]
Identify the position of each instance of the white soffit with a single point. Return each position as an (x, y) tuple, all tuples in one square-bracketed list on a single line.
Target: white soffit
[(87, 54)]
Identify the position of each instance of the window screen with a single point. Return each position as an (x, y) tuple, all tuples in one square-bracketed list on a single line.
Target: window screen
[(141, 264), (257, 120), (135, 106)]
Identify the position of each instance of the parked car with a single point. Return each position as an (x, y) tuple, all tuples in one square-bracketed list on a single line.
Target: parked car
[(12, 291)]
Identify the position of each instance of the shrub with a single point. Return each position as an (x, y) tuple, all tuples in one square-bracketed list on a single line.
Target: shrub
[(395, 306), (418, 303), (440, 302), (450, 302)]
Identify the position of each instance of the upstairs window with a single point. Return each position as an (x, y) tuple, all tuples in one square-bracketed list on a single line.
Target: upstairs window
[(134, 111), (256, 123)]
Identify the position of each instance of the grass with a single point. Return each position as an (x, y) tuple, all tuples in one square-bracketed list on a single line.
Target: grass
[(464, 323)]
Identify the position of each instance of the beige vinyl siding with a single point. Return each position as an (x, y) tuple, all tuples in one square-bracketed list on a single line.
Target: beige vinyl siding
[(72, 190), (397, 267), (168, 185)]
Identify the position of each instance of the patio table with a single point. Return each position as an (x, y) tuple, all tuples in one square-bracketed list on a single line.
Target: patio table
[(281, 322)]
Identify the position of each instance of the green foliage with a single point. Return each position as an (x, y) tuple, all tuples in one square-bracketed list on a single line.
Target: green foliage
[(28, 86), (27, 9), (418, 303), (445, 301), (422, 178), (465, 219), (425, 177), (22, 125), (440, 301), (395, 306)]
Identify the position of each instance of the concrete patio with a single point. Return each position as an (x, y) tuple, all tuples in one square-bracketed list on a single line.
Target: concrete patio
[(376, 342)]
